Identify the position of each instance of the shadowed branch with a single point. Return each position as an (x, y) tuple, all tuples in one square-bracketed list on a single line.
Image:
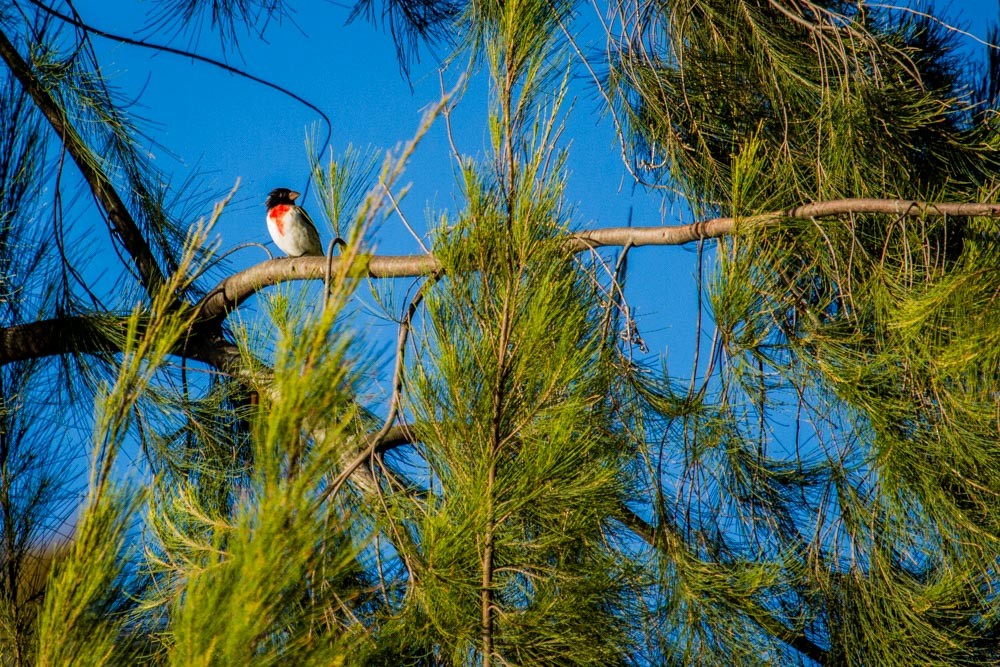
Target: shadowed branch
[(121, 220)]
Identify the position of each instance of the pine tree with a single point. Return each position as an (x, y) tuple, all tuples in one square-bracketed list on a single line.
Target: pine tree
[(817, 489)]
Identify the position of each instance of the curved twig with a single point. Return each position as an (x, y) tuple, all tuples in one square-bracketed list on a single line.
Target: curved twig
[(397, 389), (188, 54)]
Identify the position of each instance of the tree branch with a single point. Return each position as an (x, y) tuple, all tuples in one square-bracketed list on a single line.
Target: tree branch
[(375, 442), (92, 334), (237, 288), (56, 336), (716, 227), (121, 220), (62, 335)]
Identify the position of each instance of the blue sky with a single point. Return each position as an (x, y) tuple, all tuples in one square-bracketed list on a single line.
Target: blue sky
[(226, 128), (230, 128)]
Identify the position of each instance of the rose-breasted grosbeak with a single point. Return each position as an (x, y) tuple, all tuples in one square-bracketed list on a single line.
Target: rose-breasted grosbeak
[(290, 226)]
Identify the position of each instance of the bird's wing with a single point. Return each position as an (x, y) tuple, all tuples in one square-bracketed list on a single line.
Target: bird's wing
[(311, 230)]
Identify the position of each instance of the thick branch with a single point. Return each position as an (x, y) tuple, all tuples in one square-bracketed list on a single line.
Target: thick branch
[(237, 288), (84, 334), (105, 194), (52, 337), (64, 335)]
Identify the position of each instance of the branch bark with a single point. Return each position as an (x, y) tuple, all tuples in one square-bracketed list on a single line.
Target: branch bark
[(717, 227), (82, 334), (237, 288), (47, 338)]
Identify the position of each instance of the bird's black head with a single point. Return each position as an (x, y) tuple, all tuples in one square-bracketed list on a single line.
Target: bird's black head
[(280, 196)]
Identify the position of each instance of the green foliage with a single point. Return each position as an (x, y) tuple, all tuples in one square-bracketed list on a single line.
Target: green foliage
[(87, 595), (847, 101), (872, 335), (520, 445), (250, 578), (819, 487)]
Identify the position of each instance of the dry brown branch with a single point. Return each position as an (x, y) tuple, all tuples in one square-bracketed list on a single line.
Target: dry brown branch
[(374, 442)]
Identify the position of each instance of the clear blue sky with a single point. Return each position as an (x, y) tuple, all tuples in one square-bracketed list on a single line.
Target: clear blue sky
[(228, 128)]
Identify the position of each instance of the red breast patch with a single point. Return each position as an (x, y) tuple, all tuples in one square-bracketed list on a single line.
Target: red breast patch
[(277, 216)]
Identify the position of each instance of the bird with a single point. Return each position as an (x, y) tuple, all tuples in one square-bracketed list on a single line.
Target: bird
[(290, 226)]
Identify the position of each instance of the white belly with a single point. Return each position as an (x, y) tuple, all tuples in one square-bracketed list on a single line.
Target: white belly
[(296, 237)]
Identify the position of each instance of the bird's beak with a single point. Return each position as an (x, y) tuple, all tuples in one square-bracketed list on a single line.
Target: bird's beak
[(293, 195)]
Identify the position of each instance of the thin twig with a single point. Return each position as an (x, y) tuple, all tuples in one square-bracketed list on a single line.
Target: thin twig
[(406, 223), (76, 22), (395, 399)]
